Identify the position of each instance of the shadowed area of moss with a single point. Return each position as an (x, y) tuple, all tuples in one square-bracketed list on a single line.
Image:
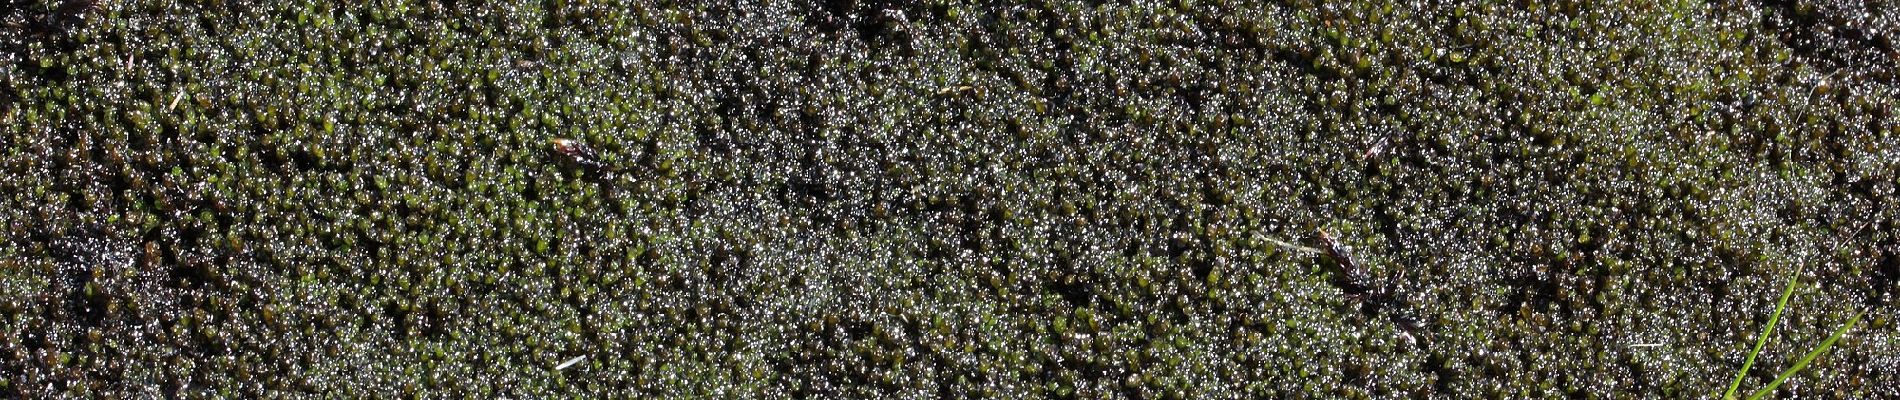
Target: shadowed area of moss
[(871, 199)]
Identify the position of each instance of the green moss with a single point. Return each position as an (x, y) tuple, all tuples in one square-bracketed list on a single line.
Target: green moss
[(887, 199)]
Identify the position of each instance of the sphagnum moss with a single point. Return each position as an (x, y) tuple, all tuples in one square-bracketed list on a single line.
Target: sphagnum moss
[(936, 199)]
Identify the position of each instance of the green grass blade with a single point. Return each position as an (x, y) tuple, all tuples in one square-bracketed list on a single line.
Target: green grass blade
[(1785, 375), (1793, 280)]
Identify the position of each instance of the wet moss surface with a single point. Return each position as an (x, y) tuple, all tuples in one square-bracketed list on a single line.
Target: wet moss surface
[(871, 199)]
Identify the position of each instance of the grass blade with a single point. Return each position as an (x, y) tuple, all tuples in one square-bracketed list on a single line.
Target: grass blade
[(1807, 358), (1793, 280)]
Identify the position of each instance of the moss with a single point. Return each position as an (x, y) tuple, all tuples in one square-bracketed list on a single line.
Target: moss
[(937, 199)]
